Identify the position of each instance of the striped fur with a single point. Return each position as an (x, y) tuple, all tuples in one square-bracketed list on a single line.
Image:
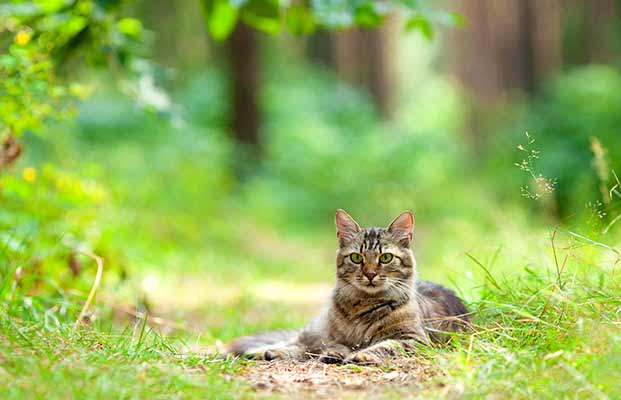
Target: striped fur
[(377, 308)]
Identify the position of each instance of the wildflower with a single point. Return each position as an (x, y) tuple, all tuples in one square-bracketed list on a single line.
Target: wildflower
[(29, 174), (22, 38)]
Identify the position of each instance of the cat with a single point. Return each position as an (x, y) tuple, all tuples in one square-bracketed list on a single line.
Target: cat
[(378, 307)]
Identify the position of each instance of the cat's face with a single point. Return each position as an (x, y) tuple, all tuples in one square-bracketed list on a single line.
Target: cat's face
[(375, 260)]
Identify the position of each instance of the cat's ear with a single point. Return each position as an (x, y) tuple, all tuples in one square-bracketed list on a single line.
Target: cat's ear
[(346, 227), (401, 228)]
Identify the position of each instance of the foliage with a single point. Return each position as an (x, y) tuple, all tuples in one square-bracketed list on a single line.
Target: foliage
[(545, 332), (574, 123), (44, 221), (574, 110), (325, 146), (39, 42), (298, 18)]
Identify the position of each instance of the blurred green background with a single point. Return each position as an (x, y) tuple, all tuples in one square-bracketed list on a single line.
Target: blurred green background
[(211, 192)]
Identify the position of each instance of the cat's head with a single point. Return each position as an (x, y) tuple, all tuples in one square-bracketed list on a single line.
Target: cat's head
[(375, 260)]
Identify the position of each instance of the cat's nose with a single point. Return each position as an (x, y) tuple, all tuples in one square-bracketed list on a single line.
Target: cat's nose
[(370, 275)]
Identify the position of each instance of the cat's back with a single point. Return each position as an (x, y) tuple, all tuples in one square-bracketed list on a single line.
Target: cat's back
[(442, 310)]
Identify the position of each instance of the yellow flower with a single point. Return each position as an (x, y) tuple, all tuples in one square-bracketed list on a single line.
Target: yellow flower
[(22, 38), (29, 174)]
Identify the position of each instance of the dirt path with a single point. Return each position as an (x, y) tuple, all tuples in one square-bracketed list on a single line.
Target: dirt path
[(291, 379)]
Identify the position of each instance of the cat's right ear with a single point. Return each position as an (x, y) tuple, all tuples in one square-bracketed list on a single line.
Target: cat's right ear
[(346, 227)]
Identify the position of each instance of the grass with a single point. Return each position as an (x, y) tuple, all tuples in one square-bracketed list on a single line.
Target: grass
[(98, 364), (549, 331)]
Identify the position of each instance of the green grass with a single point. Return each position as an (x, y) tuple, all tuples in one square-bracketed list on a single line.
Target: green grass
[(97, 364), (545, 336), (548, 331)]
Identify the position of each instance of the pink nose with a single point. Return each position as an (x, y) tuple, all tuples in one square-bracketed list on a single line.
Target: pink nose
[(370, 275)]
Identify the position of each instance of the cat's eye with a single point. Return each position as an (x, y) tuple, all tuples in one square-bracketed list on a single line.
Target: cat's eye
[(385, 258), (356, 258)]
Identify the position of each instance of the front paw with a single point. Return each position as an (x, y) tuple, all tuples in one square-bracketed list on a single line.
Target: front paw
[(332, 357), (364, 358), (275, 354), (266, 355)]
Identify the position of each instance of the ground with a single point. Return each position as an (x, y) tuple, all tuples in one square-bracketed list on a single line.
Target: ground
[(550, 329)]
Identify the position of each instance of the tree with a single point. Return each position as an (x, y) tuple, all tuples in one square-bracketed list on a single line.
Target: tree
[(236, 21), (512, 46), (245, 73), (44, 40)]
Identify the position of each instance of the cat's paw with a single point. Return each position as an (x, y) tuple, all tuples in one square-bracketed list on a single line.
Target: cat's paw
[(254, 354), (275, 354), (266, 355), (364, 358), (332, 357)]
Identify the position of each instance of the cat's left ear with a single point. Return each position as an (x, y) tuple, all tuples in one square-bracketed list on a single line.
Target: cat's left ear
[(401, 228)]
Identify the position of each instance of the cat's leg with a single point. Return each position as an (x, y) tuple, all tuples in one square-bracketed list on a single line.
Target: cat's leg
[(335, 353), (279, 351), (381, 351)]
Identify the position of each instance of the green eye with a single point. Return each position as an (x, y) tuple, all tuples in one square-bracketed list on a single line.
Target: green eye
[(356, 258), (385, 258)]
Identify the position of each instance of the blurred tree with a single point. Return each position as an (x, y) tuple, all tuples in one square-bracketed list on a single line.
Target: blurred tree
[(43, 40), (380, 67), (245, 70), (320, 48), (510, 47), (181, 38), (547, 38), (593, 32), (364, 57), (233, 20), (600, 29)]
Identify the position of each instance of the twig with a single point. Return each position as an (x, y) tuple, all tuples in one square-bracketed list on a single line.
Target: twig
[(96, 282)]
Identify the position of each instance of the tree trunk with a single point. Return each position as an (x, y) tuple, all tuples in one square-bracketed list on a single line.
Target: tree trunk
[(380, 67), (349, 56), (243, 57), (601, 26), (524, 46), (547, 37), (320, 49), (472, 52), (574, 37), (472, 58), (363, 57), (499, 53)]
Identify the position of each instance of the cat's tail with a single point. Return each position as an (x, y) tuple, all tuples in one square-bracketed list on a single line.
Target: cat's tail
[(248, 345)]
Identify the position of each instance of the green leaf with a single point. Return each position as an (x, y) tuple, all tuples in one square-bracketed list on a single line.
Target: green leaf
[(367, 16), (421, 23), (130, 26), (263, 15), (108, 4), (51, 6), (300, 20), (220, 18)]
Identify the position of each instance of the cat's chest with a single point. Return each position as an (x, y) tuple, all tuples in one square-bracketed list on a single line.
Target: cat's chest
[(367, 324)]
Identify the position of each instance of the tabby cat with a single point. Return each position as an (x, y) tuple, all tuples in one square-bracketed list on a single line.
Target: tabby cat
[(378, 308)]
